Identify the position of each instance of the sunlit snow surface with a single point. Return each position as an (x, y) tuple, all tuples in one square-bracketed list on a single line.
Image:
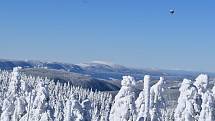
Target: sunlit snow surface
[(28, 98)]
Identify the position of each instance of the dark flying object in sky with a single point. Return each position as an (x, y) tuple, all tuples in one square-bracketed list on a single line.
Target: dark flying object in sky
[(172, 11)]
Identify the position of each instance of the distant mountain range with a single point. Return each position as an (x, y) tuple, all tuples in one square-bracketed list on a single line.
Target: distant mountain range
[(97, 74)]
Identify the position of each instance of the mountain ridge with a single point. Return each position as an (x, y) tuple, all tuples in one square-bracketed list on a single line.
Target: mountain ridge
[(99, 69)]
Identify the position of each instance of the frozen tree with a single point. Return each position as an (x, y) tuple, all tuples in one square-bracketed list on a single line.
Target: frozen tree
[(87, 110), (76, 109), (107, 107), (8, 108), (40, 103), (140, 102), (208, 107), (123, 108), (95, 114), (14, 85), (28, 98), (59, 110), (73, 110), (186, 109), (9, 112), (201, 83), (39, 111), (143, 114), (207, 98), (24, 88), (213, 90), (20, 108), (157, 102), (67, 112), (156, 94)]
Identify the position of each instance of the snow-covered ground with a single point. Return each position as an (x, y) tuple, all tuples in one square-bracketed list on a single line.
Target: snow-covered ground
[(28, 98)]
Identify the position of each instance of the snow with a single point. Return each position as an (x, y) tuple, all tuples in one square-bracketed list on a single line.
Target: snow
[(103, 62), (147, 96), (208, 109), (157, 101), (99, 63), (96, 62), (196, 101), (151, 104), (28, 98), (123, 108), (185, 110), (201, 83)]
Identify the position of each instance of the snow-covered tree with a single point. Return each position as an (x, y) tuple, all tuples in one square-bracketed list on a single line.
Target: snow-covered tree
[(207, 98), (67, 111), (208, 107), (186, 109), (201, 83), (123, 108), (38, 109), (11, 103), (87, 109), (143, 101), (76, 110), (140, 102), (20, 108), (58, 114), (8, 108), (28, 98), (157, 102)]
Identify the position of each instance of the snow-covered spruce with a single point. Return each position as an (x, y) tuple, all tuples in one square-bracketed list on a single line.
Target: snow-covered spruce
[(14, 105), (142, 101), (28, 98), (185, 110), (201, 83), (40, 99), (150, 104), (123, 108), (157, 102), (196, 101), (208, 107)]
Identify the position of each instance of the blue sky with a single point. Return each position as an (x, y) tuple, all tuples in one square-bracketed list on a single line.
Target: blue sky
[(136, 33)]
